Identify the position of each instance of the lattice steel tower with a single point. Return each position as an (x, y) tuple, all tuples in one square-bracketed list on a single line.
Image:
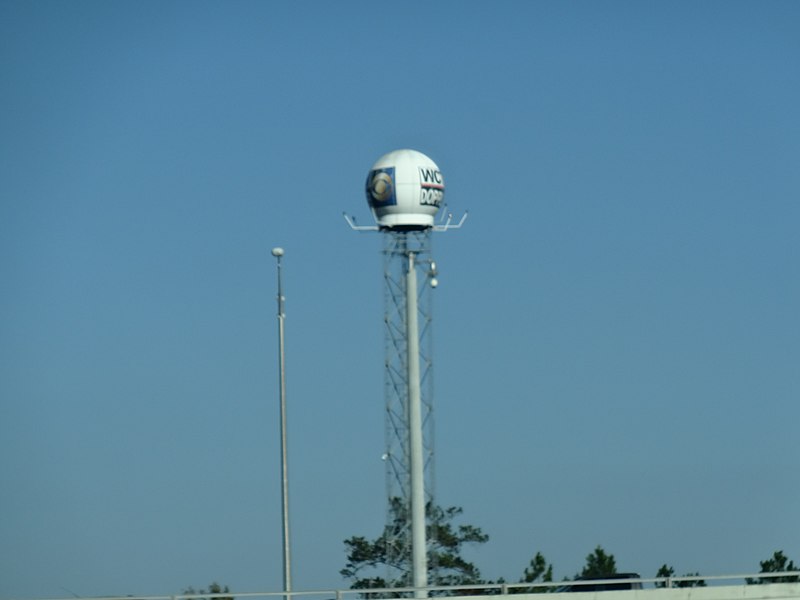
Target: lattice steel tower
[(405, 191)]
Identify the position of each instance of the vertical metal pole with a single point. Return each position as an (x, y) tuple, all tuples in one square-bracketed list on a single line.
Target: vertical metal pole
[(418, 542), (287, 562)]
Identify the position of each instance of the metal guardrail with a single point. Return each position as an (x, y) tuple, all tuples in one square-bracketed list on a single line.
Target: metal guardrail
[(551, 587), (648, 583)]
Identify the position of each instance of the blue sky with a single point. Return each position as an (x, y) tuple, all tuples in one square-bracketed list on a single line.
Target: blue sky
[(617, 335)]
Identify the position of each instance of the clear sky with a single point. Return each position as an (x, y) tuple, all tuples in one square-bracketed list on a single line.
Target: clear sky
[(617, 336)]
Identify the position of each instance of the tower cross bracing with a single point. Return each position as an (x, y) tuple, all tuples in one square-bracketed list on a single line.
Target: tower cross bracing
[(397, 247)]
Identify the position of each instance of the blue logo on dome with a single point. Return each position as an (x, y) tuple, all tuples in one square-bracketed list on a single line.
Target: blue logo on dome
[(381, 188)]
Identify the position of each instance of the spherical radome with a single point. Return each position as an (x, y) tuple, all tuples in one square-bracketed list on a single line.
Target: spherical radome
[(405, 190)]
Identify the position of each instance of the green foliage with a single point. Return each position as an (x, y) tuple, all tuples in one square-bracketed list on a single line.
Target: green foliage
[(370, 563), (537, 571), (664, 571), (667, 571), (214, 588), (599, 564), (448, 542), (779, 563), (390, 552)]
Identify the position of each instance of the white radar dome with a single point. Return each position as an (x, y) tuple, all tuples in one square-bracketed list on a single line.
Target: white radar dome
[(405, 189)]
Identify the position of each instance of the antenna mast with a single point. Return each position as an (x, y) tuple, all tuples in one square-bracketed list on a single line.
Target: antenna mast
[(405, 190)]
